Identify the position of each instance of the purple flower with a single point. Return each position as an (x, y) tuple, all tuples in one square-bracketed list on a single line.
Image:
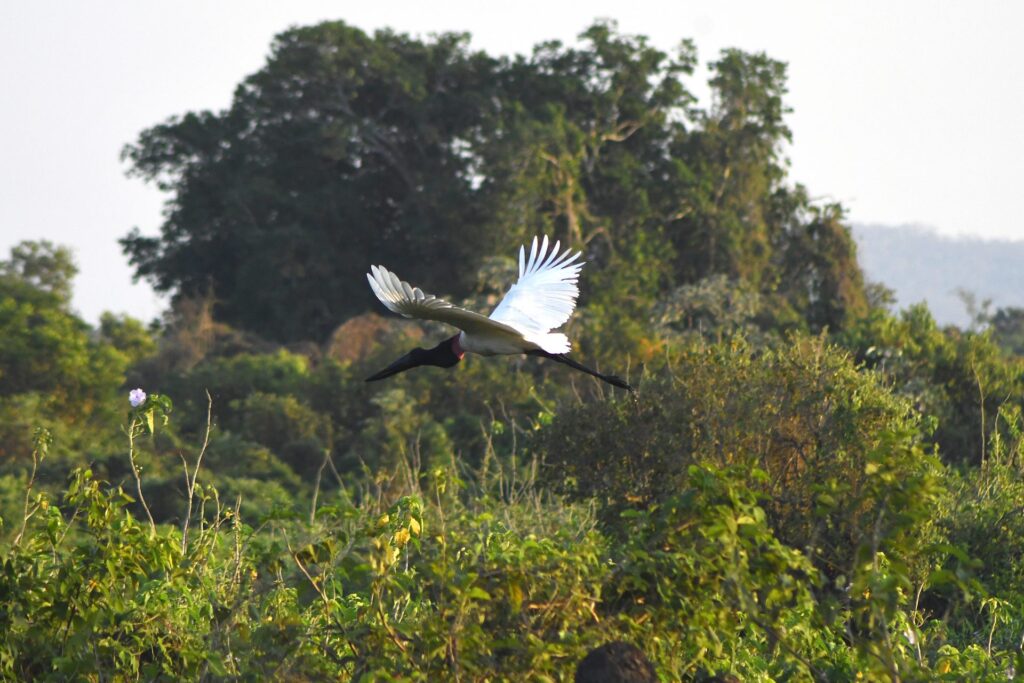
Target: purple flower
[(136, 397)]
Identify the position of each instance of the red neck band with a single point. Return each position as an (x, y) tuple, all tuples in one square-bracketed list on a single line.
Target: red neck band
[(457, 348)]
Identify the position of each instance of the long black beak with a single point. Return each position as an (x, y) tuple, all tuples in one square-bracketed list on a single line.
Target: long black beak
[(406, 362), (442, 356)]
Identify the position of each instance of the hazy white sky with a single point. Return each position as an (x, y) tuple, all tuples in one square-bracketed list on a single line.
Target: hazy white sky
[(907, 112)]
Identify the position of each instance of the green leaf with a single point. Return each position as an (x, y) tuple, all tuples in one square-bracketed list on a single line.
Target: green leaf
[(217, 667), (477, 593)]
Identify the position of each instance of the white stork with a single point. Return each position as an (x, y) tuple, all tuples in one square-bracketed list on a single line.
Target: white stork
[(541, 301)]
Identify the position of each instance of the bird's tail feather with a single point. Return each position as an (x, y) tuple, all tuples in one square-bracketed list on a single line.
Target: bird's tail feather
[(551, 342)]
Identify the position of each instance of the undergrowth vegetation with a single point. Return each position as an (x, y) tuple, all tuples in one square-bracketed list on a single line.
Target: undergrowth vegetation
[(773, 513)]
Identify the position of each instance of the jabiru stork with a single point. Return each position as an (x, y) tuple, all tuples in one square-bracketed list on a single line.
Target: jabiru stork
[(542, 300)]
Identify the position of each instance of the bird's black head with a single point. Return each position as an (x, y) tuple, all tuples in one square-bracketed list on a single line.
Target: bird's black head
[(444, 355)]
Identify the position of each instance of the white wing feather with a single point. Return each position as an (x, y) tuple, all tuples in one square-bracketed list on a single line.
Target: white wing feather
[(411, 302), (545, 295), (543, 299)]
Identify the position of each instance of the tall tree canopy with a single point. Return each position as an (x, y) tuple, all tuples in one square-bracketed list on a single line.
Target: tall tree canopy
[(348, 149)]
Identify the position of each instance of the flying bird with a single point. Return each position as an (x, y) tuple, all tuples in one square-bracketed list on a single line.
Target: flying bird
[(523, 322)]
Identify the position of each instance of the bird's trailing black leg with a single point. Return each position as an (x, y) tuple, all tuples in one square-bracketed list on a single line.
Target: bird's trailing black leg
[(565, 360)]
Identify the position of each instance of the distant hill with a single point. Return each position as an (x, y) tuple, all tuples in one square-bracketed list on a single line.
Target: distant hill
[(921, 265)]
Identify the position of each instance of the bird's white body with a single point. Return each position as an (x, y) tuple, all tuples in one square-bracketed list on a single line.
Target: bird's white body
[(491, 344), (543, 299)]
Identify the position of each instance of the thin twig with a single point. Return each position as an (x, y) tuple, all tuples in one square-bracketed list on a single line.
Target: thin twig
[(302, 568), (236, 523), (190, 482), (28, 493), (981, 408), (135, 471), (316, 487)]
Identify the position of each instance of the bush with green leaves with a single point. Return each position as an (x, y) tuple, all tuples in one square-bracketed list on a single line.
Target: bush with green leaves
[(835, 444), (957, 380)]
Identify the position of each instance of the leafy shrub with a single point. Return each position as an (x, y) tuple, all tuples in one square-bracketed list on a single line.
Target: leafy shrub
[(229, 455), (107, 598), (705, 568), (276, 421), (823, 432), (957, 380), (230, 380)]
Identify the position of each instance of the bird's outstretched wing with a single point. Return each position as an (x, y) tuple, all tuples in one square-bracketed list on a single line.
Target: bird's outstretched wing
[(411, 302), (545, 295)]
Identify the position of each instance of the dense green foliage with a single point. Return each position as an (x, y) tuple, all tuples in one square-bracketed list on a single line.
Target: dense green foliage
[(805, 485)]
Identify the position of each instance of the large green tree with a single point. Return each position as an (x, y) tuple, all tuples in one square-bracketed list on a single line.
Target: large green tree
[(344, 150), (348, 149)]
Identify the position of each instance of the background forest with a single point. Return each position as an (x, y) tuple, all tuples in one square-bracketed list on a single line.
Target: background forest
[(805, 485)]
